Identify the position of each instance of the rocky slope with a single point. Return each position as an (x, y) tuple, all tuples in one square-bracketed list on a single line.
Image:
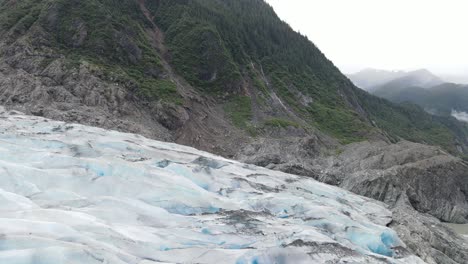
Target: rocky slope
[(77, 194), (421, 184), (433, 181), (188, 72)]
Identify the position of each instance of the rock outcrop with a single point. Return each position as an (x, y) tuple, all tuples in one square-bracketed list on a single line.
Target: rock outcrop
[(428, 237), (76, 95), (434, 182), (421, 184)]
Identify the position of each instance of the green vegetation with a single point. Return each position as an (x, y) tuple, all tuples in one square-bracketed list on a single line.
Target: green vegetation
[(109, 34), (20, 17), (412, 123), (293, 65), (200, 56), (108, 30), (116, 41), (281, 123), (160, 89), (225, 49), (465, 157), (441, 99), (239, 110), (224, 39), (342, 124)]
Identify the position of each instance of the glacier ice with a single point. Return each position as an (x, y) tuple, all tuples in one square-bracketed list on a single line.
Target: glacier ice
[(76, 194)]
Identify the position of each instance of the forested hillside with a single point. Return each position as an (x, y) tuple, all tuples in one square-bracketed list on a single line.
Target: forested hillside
[(237, 55), (292, 63), (440, 100)]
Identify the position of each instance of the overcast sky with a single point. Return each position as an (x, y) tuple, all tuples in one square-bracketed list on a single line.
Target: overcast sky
[(384, 34)]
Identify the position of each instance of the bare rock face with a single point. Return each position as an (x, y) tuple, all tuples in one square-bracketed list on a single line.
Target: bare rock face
[(422, 185), (427, 237), (77, 96), (281, 153), (433, 181)]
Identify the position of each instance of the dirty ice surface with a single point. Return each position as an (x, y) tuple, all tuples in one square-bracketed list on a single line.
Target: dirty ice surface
[(461, 229), (75, 194)]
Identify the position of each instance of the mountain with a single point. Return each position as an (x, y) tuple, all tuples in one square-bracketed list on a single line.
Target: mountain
[(231, 78), (372, 79), (402, 94), (447, 102), (186, 71), (77, 194), (368, 78), (421, 78), (442, 100), (177, 66)]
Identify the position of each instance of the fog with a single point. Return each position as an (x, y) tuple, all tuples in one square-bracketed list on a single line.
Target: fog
[(462, 116), (384, 34)]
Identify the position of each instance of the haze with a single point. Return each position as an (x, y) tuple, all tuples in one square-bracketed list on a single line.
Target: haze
[(384, 34)]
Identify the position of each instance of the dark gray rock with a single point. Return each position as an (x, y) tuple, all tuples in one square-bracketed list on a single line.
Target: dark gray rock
[(78, 96), (434, 182), (427, 237), (421, 184)]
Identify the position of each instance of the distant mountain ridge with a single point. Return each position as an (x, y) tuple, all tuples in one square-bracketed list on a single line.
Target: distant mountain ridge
[(371, 79), (444, 99)]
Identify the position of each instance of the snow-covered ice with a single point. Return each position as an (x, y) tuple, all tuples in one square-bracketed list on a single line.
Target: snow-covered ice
[(76, 194)]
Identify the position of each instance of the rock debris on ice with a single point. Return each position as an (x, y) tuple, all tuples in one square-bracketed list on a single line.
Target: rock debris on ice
[(75, 194)]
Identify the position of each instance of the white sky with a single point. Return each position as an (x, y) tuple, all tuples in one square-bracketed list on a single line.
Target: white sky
[(384, 34)]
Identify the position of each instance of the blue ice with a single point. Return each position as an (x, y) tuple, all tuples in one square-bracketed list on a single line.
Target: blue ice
[(183, 171), (254, 260), (377, 243), (98, 170)]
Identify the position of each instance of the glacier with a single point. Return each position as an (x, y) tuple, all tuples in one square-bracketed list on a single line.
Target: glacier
[(76, 194)]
